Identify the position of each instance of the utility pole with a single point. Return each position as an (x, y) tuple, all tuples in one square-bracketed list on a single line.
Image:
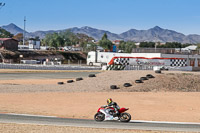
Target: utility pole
[(24, 30), (2, 4)]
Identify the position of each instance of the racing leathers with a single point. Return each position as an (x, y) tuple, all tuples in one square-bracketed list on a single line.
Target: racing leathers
[(115, 106)]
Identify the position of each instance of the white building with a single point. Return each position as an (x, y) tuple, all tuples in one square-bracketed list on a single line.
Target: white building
[(34, 44)]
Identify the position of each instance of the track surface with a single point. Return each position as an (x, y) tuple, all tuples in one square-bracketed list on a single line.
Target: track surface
[(49, 75), (45, 120)]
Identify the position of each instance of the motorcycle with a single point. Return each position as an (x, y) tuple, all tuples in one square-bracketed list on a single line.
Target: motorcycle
[(109, 113)]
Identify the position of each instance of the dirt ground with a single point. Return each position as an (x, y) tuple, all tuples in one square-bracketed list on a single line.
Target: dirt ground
[(25, 128), (171, 96), (161, 106)]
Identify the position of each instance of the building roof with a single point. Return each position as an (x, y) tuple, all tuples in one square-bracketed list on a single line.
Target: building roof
[(5, 39), (191, 47)]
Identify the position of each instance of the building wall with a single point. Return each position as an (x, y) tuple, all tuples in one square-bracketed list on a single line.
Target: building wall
[(147, 55), (10, 45), (192, 60)]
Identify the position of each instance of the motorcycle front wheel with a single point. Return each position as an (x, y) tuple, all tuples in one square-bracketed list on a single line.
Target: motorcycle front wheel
[(125, 117), (99, 117)]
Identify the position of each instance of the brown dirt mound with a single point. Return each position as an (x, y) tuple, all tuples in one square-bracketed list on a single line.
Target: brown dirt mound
[(172, 82)]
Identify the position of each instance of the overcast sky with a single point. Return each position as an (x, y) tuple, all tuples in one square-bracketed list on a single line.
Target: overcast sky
[(117, 16)]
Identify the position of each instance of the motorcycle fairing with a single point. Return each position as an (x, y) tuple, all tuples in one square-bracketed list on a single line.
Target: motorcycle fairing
[(123, 110), (107, 115)]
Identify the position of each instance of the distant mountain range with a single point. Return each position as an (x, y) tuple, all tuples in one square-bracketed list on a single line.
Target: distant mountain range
[(154, 34)]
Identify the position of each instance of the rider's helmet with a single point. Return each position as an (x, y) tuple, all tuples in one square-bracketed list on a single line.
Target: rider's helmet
[(109, 100)]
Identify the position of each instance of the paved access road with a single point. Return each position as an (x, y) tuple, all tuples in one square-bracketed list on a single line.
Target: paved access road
[(44, 75), (143, 125)]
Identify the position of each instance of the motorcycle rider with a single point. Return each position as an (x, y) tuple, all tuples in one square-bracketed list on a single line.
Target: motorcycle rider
[(114, 105)]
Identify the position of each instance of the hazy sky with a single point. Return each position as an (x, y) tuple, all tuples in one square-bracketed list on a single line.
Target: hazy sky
[(116, 16)]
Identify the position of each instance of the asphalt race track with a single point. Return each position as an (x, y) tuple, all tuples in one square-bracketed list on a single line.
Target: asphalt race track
[(44, 75), (142, 125)]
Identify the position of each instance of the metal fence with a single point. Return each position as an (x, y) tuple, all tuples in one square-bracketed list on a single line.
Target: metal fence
[(164, 51), (47, 67)]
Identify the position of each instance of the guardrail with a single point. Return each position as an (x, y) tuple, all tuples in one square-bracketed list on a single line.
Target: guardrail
[(47, 67)]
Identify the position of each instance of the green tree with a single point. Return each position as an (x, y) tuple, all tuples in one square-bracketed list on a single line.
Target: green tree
[(171, 45), (53, 40), (69, 38), (105, 37), (122, 45), (105, 43), (5, 34), (147, 45), (66, 38), (127, 47), (92, 47)]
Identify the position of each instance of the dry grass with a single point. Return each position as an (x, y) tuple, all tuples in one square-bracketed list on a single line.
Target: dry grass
[(25, 128)]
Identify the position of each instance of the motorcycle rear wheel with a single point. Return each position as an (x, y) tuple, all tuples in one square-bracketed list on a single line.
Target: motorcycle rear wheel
[(99, 117), (125, 117)]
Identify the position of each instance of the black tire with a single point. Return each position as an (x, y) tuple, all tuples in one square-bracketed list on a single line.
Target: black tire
[(60, 83), (125, 117), (138, 81), (99, 117), (149, 76), (70, 81), (158, 71), (91, 75), (143, 78), (90, 64), (127, 84), (78, 79), (113, 87)]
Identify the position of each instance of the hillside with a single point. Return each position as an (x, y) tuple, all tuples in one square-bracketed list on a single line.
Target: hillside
[(43, 55), (153, 34)]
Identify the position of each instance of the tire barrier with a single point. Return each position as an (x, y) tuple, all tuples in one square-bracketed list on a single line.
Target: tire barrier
[(158, 71), (143, 78), (127, 84), (113, 87), (70, 81), (91, 75), (79, 79), (164, 68), (149, 76), (60, 83), (138, 81)]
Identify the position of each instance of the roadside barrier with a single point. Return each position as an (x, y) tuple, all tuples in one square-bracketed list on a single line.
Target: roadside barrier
[(47, 67), (129, 67)]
